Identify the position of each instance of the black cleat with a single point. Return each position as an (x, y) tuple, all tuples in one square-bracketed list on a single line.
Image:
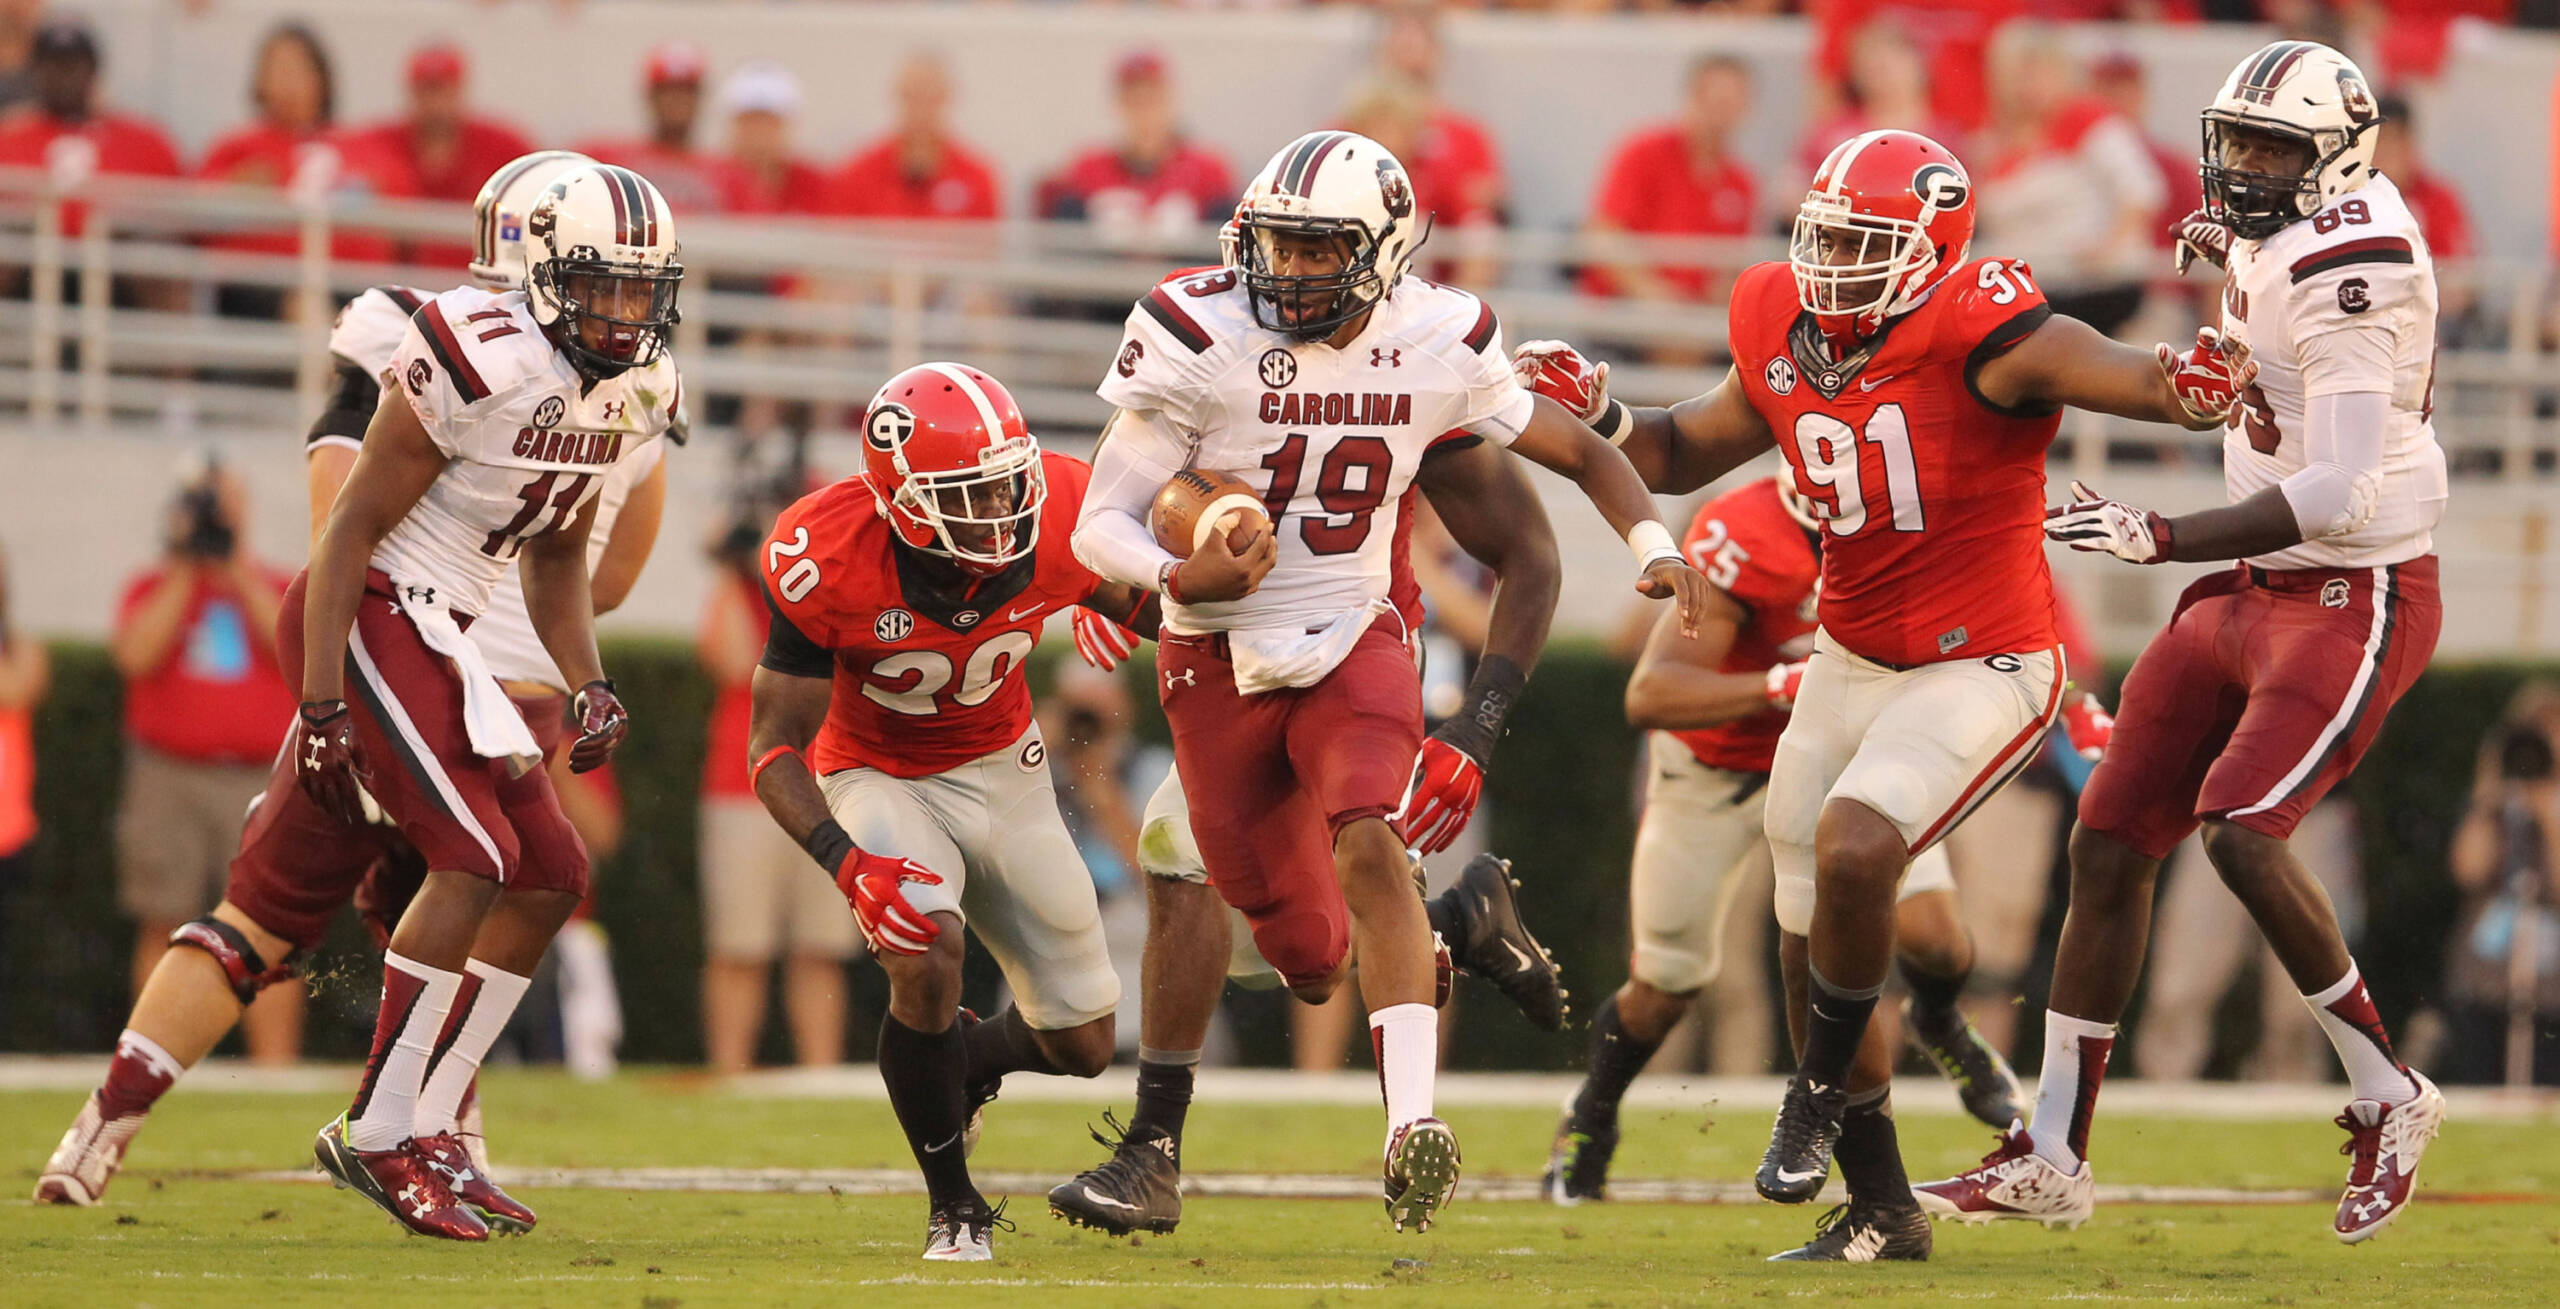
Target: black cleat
[(1861, 1233), (1982, 1078), (1800, 1143), (978, 1095), (1139, 1188), (1578, 1162), (1493, 942)]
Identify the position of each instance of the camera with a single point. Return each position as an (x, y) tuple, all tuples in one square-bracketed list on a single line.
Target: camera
[(205, 531), (2524, 755)]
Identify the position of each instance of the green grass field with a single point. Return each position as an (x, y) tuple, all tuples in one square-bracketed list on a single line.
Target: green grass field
[(186, 1224)]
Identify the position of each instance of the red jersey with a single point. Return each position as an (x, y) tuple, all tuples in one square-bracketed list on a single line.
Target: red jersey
[(2442, 217), (1934, 546), (263, 154), (117, 144), (481, 147), (217, 695), (799, 189), (875, 184), (928, 674), (1749, 547), (1654, 187), (1191, 185)]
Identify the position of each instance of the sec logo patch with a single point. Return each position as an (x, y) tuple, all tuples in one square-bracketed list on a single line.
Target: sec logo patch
[(894, 625), (1279, 368), (547, 414), (1781, 375)]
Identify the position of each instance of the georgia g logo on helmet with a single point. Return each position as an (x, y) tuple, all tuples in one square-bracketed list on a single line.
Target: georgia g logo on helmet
[(890, 426), (1940, 186)]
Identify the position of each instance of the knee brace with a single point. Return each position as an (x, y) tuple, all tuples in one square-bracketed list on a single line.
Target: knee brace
[(247, 971)]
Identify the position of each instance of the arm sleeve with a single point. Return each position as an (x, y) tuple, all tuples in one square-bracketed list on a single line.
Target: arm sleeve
[(1136, 457), (2335, 489), (789, 651)]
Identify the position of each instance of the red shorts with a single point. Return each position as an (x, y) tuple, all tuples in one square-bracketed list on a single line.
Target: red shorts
[(1272, 777), (2261, 694), (298, 865)]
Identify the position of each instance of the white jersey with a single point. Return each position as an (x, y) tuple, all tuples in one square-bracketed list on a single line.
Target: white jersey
[(2360, 265), (531, 444), (368, 334), (1331, 438)]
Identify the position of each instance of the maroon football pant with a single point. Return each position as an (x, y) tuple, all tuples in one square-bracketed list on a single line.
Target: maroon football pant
[(2260, 695), (1271, 778)]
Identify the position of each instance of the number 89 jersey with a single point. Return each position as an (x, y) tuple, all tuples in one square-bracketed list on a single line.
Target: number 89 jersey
[(927, 662), (1932, 496)]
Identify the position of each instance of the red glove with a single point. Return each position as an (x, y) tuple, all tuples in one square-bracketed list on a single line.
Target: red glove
[(871, 882), (601, 726), (2208, 379), (327, 761), (1559, 372), (2088, 725), (2200, 237), (1101, 642), (1447, 783), (1784, 681)]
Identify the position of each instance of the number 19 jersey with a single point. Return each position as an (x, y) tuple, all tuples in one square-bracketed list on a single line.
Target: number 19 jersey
[(1932, 496)]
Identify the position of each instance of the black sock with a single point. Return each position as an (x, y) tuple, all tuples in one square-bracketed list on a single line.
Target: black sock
[(924, 1074), (1616, 1058), (1164, 1098), (1835, 1021), (1869, 1153), (1003, 1044), (1933, 998)]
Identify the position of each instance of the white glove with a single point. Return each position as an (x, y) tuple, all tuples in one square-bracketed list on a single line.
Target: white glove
[(2093, 522)]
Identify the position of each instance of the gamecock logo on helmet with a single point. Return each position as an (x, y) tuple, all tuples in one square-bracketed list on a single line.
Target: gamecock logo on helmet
[(891, 424), (1395, 189), (2356, 97)]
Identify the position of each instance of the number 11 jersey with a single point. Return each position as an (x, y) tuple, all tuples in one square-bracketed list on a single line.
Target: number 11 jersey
[(1932, 495)]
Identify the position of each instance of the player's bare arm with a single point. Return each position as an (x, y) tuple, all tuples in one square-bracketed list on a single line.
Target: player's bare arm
[(1556, 440), (1139, 610), (558, 600), (1675, 450), (2067, 362), (324, 471), (397, 465), (1677, 685), (634, 535), (787, 712)]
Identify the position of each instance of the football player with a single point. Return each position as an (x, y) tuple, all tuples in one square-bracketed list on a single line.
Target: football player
[(1913, 390), (1715, 707), (502, 417), (194, 996), (1317, 371), (1485, 499), (2272, 677), (906, 600)]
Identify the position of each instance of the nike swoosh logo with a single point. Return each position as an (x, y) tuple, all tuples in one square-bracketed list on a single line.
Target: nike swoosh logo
[(1516, 957), (937, 1149), (1871, 383), (1099, 1198), (1018, 615), (1791, 1178)]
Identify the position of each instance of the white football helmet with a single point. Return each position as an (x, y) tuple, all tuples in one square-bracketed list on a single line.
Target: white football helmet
[(497, 216), (600, 267), (1336, 186), (2302, 91)]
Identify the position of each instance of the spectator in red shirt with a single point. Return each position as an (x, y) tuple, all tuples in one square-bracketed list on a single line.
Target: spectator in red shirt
[(1677, 179), (24, 677), (2442, 218), (1456, 171), (761, 175), (2119, 80), (919, 170), (671, 88), (204, 708), (1887, 87), (448, 149), (294, 143), (1152, 188), (67, 132), (2066, 182), (1954, 37)]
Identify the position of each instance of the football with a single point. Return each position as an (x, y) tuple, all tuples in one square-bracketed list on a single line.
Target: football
[(1198, 501)]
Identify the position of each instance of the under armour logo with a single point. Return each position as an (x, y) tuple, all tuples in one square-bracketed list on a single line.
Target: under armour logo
[(311, 760), (420, 595), (613, 411), (1183, 677), (1385, 357), (410, 1195)]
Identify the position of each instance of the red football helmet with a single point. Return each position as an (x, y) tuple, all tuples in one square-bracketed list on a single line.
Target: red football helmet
[(1889, 215), (953, 466)]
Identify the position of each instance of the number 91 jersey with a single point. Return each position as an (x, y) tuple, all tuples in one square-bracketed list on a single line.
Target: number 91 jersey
[(1932, 496), (927, 661)]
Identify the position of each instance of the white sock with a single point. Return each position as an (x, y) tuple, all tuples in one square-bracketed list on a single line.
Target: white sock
[(480, 1011), (386, 1110), (2075, 1059), (2346, 1013), (152, 1055), (1407, 1040)]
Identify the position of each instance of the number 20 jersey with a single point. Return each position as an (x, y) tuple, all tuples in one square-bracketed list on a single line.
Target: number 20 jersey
[(1331, 438), (1932, 496), (530, 443)]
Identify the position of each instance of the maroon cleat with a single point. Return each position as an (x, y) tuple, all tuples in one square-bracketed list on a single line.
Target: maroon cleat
[(445, 1153), (2385, 1142), (400, 1183)]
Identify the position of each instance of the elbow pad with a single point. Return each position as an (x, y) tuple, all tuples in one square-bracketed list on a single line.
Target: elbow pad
[(2329, 500)]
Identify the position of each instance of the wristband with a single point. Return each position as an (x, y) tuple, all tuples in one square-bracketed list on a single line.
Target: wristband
[(1164, 580), (1616, 422), (755, 772), (1477, 725), (1652, 543), (829, 845)]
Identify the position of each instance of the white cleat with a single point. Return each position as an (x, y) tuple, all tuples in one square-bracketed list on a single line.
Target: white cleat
[(88, 1157), (2013, 1182), (2385, 1141), (965, 1233)]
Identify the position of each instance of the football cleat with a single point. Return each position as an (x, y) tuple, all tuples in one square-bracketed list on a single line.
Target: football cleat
[(2013, 1181), (88, 1156), (1493, 942), (2385, 1141), (1798, 1160), (1984, 1080), (965, 1233), (1578, 1162), (1139, 1188), (1422, 1172), (446, 1153), (400, 1183), (1861, 1232)]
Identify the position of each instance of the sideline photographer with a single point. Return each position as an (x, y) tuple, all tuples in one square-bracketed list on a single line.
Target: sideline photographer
[(2502, 971), (204, 710)]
